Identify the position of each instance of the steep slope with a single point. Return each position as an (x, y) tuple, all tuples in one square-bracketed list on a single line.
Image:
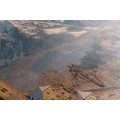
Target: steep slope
[(10, 47), (7, 92)]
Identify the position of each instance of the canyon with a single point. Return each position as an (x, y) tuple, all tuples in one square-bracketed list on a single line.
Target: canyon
[(28, 49)]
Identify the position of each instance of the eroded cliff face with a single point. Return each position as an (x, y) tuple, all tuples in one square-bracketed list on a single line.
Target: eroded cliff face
[(10, 46), (23, 38)]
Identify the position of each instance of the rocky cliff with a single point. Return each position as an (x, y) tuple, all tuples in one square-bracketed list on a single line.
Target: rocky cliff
[(10, 46)]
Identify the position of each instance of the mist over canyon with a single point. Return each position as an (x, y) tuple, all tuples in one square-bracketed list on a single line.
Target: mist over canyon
[(30, 48)]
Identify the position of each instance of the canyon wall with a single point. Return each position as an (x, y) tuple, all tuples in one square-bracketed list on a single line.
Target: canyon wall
[(10, 46)]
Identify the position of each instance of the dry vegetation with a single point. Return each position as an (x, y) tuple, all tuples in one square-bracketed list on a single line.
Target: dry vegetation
[(74, 80), (78, 80), (58, 93)]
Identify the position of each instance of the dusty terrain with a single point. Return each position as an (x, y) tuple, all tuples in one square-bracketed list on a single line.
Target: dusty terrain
[(7, 92), (93, 46)]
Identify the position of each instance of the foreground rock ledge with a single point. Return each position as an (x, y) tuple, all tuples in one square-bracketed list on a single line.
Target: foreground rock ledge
[(7, 92)]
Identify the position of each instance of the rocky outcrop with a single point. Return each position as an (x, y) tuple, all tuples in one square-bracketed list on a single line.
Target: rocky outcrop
[(10, 47), (7, 92)]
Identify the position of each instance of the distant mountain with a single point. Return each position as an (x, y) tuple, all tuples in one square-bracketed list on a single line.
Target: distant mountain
[(23, 38)]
